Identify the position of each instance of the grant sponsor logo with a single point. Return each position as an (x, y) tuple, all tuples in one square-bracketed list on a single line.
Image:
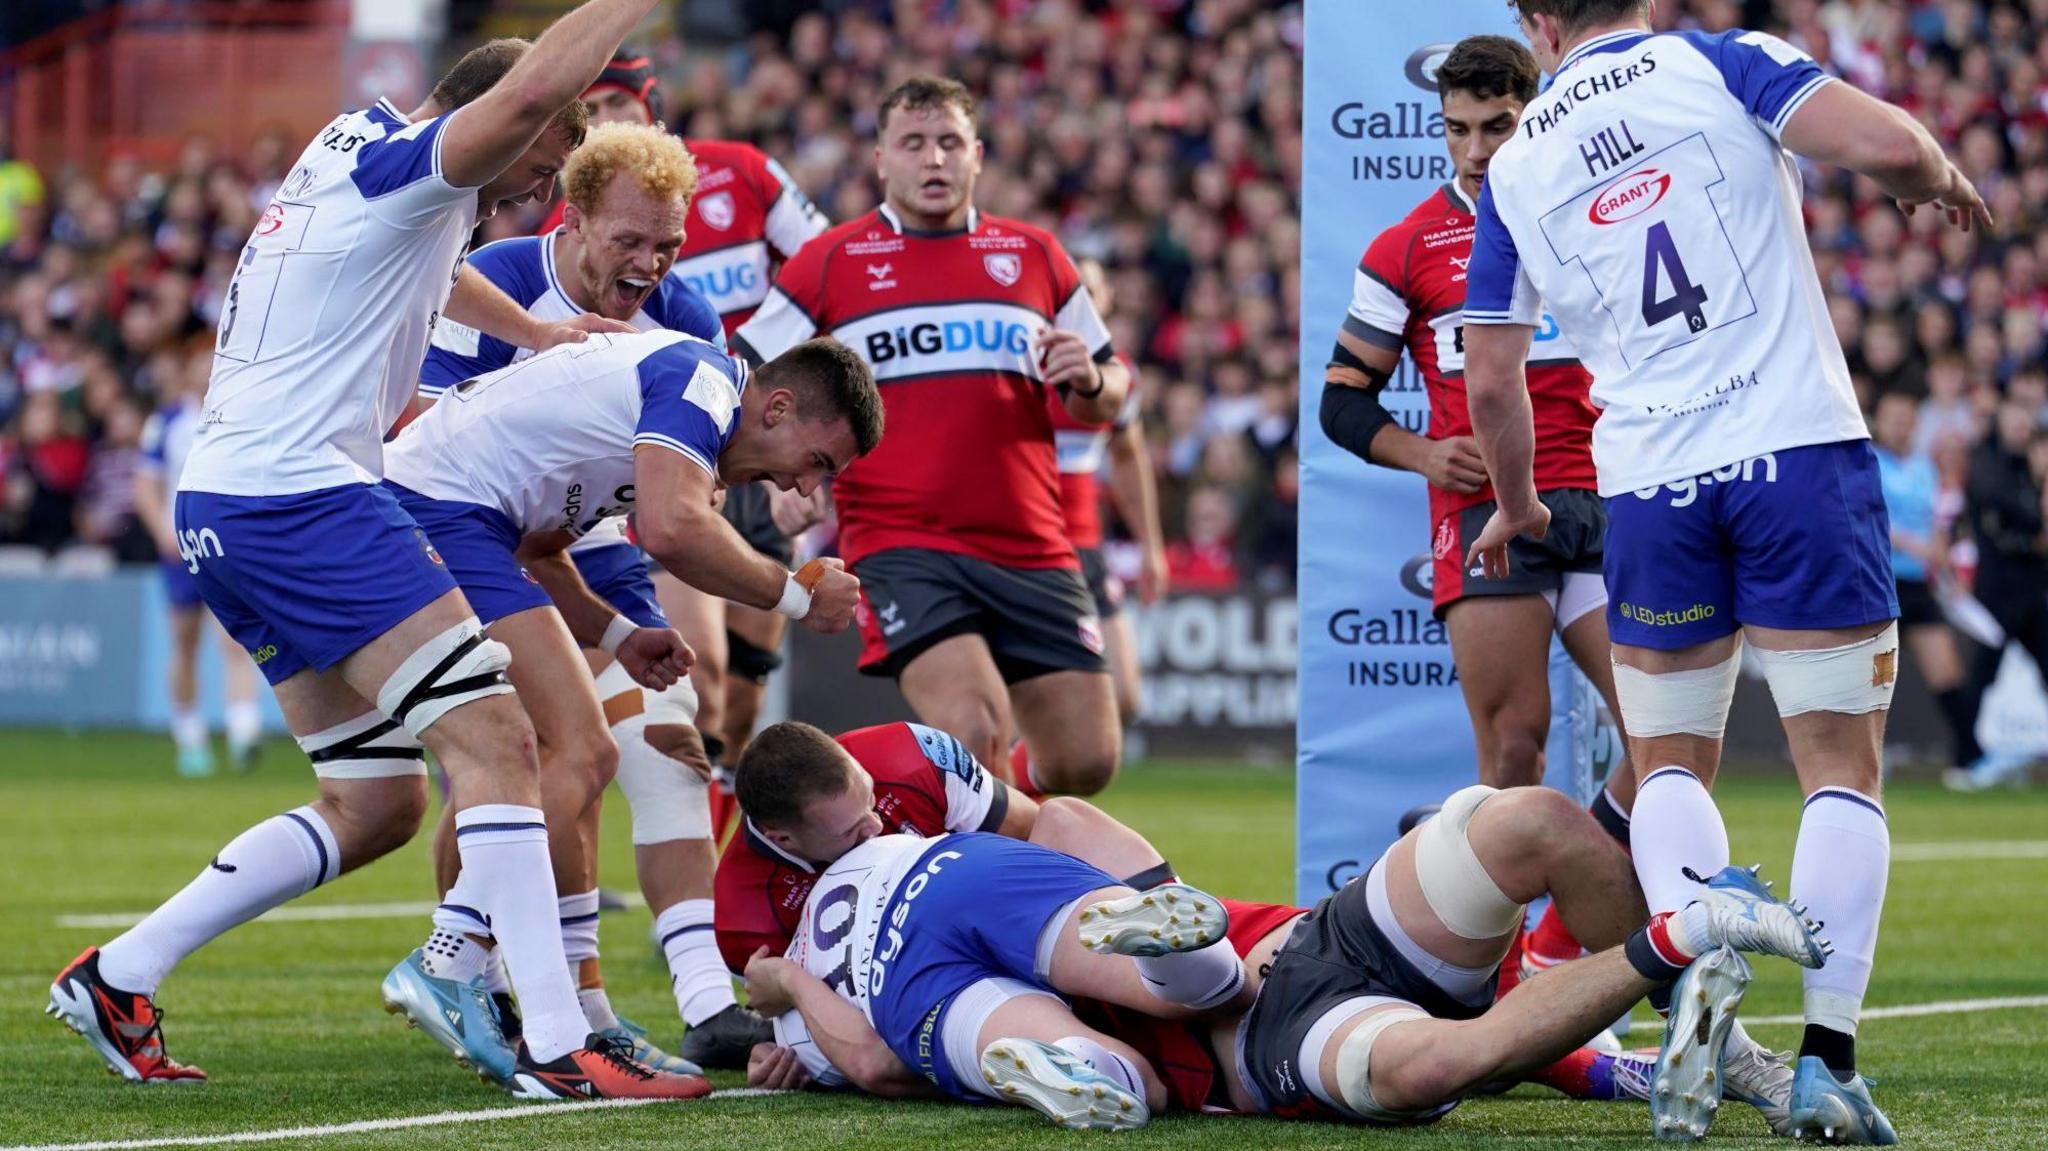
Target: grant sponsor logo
[(1629, 197)]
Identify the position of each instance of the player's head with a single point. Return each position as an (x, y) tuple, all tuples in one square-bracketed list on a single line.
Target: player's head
[(1892, 420), (627, 193), (805, 793), (627, 91), (1095, 278), (532, 175), (1555, 26), (806, 414), (1484, 83), (927, 152)]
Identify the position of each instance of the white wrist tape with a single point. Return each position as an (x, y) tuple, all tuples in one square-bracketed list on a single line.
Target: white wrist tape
[(796, 599), (615, 633)]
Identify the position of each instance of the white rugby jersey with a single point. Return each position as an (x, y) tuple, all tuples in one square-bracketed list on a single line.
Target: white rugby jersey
[(524, 268), (166, 441), (549, 441), (1646, 201), (329, 313)]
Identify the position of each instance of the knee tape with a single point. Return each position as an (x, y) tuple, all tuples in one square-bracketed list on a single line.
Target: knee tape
[(668, 800), (1354, 1062), (452, 669), (1849, 680), (1454, 882), (1677, 702), (366, 747)]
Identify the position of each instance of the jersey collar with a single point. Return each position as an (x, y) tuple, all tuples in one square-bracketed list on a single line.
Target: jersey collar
[(895, 223), (1455, 193), (761, 846), (391, 110), (547, 266), (1611, 42)]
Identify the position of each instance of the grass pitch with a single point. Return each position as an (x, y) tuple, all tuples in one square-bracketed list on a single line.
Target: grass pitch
[(286, 1018)]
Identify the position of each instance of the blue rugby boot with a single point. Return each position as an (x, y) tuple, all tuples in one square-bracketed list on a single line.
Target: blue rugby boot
[(458, 1016), (1826, 1109)]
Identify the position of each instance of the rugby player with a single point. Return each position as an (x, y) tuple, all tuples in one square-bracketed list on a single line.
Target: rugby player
[(972, 594), (323, 577), (166, 437), (1653, 192), (750, 215), (909, 968), (628, 193), (507, 469)]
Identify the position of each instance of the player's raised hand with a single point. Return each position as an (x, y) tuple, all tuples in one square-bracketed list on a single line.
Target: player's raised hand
[(1455, 465), (1064, 361), (578, 329), (772, 1067), (655, 657), (766, 992), (1490, 550), (1965, 207), (835, 593)]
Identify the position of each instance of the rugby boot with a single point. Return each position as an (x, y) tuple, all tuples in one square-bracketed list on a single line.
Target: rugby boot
[(603, 1068), (126, 1029), (1685, 1088), (1168, 919), (1831, 1111), (459, 1016), (1747, 917), (1061, 1086), (724, 1040), (1754, 1074), (646, 1052)]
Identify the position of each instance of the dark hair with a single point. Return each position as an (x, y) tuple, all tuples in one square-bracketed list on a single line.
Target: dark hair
[(831, 382), (1487, 68), (479, 71), (786, 767), (1578, 15), (924, 92)]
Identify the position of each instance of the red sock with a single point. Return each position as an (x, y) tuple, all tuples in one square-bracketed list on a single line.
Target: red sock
[(1511, 966), (1020, 772), (1550, 942), (725, 811)]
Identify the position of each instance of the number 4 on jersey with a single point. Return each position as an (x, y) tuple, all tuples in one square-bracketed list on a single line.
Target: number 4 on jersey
[(1660, 252)]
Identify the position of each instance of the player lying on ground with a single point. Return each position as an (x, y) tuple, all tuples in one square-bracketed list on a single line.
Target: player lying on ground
[(808, 798), (1651, 203), (1401, 961), (628, 197), (315, 569), (506, 470)]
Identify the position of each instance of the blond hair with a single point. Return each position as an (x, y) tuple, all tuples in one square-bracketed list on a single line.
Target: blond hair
[(658, 160)]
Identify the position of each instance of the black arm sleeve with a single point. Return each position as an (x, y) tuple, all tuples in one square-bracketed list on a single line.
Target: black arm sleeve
[(1351, 416)]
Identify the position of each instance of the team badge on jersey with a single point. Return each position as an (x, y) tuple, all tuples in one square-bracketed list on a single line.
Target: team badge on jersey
[(717, 210), (427, 547), (1003, 267)]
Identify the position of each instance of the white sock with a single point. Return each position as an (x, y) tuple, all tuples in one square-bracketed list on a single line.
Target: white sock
[(696, 971), (448, 955), (597, 1009), (1838, 871), (1104, 1060), (495, 980), (279, 859), (188, 730), (505, 857), (1199, 979), (1675, 825), (578, 915), (245, 724), (460, 912)]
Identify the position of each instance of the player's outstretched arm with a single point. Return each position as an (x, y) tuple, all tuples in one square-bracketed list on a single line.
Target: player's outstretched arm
[(656, 657), (1355, 420), (842, 1033), (1841, 126), (478, 303), (1498, 391), (493, 130)]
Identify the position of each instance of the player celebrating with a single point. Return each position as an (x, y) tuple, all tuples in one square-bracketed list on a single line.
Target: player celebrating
[(506, 470), (166, 438), (972, 594), (1649, 202), (318, 572), (628, 194), (750, 214)]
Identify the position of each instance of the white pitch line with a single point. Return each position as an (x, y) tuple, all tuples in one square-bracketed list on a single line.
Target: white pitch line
[(319, 912), (439, 1119), (1907, 1011), (1970, 849)]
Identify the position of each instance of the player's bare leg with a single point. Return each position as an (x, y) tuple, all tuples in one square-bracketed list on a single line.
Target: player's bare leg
[(701, 619), (764, 630), (1833, 696), (1587, 641), (1120, 652), (244, 714), (953, 685), (1078, 828), (1675, 823), (188, 725), (1035, 1053), (1069, 721), (1502, 648)]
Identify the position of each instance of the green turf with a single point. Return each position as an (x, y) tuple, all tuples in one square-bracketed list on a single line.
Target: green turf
[(286, 1017)]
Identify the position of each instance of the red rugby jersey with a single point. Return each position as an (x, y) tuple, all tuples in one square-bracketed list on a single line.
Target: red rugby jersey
[(1081, 448), (951, 323), (747, 214), (926, 784), (1410, 292)]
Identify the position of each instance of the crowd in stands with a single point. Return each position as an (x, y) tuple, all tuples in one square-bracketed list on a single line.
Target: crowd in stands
[(1160, 136)]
